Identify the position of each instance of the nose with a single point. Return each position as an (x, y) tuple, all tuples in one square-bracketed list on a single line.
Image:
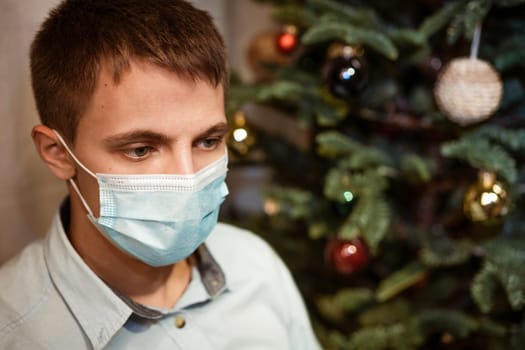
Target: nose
[(182, 163)]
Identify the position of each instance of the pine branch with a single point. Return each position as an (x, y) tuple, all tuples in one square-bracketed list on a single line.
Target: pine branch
[(443, 251), (400, 280), (332, 144), (454, 322), (328, 110), (407, 37), (480, 154), (513, 139), (363, 17), (415, 168), (505, 259), (400, 336), (387, 313), (439, 20), (508, 3), (352, 35), (475, 12), (456, 28), (369, 219), (369, 183), (294, 14), (510, 53), (334, 307), (295, 203), (365, 157), (282, 90), (483, 289)]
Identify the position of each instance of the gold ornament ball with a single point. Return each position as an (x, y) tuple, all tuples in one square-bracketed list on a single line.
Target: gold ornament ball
[(468, 90), (486, 199)]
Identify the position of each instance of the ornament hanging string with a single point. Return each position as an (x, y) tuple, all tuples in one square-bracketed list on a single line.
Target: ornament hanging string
[(474, 47)]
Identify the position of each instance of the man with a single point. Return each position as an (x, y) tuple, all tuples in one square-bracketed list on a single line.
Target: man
[(131, 98)]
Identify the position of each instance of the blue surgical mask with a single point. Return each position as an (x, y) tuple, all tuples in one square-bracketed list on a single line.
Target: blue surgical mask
[(159, 219)]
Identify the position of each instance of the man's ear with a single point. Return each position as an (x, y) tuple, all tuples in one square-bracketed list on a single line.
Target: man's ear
[(53, 152)]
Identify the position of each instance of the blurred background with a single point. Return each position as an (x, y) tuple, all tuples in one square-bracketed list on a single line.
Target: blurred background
[(378, 146)]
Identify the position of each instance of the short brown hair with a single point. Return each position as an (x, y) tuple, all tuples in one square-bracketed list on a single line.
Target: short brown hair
[(68, 51)]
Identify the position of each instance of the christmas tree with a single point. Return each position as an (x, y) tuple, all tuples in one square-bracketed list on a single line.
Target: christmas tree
[(399, 207)]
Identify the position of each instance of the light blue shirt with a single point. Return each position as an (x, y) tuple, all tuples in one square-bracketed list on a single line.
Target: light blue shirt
[(241, 296)]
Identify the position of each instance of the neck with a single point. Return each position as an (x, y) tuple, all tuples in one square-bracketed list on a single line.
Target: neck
[(151, 286)]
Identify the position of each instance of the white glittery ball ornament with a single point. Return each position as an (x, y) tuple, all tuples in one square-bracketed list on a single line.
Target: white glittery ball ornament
[(468, 90)]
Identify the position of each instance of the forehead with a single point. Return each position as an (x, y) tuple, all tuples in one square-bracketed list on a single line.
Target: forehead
[(149, 97)]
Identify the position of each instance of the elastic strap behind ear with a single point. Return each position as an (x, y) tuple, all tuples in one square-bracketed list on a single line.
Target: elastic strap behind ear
[(73, 155)]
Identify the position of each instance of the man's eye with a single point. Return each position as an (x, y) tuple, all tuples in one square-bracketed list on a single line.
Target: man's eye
[(138, 152), (209, 142)]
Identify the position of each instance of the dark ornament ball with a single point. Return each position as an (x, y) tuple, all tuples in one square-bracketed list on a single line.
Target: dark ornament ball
[(346, 76)]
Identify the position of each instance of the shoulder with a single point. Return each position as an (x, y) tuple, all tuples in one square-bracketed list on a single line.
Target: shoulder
[(24, 282), (239, 244), (223, 233), (246, 258), (256, 275)]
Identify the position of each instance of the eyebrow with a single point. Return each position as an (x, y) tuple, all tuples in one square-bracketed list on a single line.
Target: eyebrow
[(219, 128), (134, 136), (143, 135)]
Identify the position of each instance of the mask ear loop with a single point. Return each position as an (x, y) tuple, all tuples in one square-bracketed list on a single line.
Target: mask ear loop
[(71, 181)]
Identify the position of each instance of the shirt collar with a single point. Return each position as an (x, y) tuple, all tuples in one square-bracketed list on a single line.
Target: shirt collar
[(208, 281)]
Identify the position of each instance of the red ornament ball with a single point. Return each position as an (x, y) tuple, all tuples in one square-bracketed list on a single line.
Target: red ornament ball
[(286, 41), (347, 256)]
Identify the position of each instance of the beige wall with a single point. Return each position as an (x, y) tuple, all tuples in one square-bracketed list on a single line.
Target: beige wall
[(29, 195)]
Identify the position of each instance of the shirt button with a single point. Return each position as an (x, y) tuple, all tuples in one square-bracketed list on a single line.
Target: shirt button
[(180, 322)]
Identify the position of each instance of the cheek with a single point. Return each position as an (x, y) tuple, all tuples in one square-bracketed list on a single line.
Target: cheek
[(88, 187)]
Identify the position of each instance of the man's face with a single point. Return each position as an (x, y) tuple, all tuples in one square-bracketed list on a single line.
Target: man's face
[(151, 122)]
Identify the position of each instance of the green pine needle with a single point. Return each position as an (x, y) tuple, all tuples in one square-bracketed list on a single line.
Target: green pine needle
[(362, 17), (283, 90), (401, 280), (294, 14), (350, 34), (481, 154), (508, 3), (332, 144), (511, 53), (375, 221), (505, 259), (455, 28), (454, 322), (346, 300), (415, 168), (383, 314), (446, 252), (439, 20), (400, 336), (295, 203), (512, 139), (475, 12), (483, 289), (368, 183), (407, 37)]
